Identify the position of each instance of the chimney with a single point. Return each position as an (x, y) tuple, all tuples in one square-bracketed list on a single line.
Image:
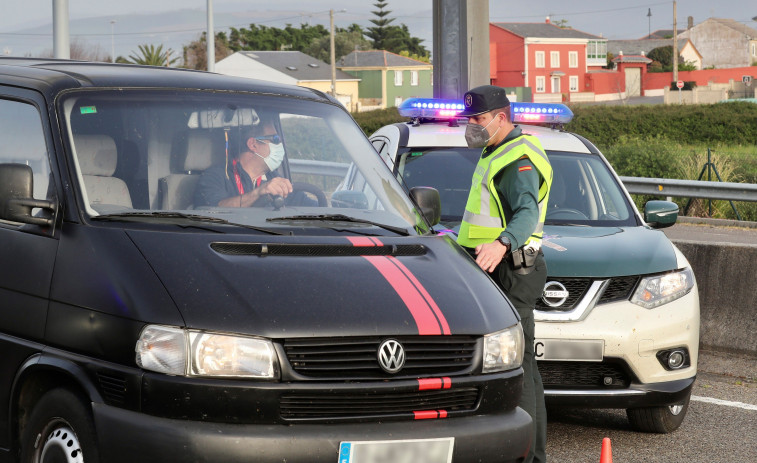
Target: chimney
[(547, 20), (691, 22)]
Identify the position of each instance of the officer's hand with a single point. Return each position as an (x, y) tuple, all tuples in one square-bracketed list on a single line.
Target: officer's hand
[(489, 255), (277, 186)]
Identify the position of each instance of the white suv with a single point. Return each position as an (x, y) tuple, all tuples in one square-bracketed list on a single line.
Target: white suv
[(618, 323)]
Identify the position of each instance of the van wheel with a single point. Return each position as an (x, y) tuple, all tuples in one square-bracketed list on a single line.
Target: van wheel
[(658, 419), (60, 430)]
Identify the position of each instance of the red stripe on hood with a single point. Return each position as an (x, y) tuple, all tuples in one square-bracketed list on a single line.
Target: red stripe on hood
[(430, 300), (420, 310), (361, 241)]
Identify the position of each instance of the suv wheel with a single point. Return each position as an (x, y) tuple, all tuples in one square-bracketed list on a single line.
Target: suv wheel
[(60, 430), (658, 419)]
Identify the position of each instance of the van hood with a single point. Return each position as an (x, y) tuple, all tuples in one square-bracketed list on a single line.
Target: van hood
[(283, 286), (574, 251)]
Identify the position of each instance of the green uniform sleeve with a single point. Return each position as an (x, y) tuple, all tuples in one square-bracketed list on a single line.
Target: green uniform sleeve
[(518, 189)]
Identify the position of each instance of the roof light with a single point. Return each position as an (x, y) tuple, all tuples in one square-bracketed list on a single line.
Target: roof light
[(430, 108), (522, 113), (540, 113)]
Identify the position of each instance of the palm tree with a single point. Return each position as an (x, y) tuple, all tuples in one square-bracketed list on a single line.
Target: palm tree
[(153, 56)]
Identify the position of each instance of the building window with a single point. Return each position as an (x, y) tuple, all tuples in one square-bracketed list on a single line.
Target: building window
[(554, 59), (540, 84), (398, 78), (573, 59), (414, 78), (573, 83), (596, 50), (539, 59), (397, 100)]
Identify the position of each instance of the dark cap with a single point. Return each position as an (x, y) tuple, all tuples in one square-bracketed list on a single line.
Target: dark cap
[(484, 99)]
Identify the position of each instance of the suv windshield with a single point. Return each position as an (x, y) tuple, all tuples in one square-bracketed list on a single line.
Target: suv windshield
[(584, 191), (143, 155)]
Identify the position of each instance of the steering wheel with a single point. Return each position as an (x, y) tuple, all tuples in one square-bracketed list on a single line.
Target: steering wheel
[(303, 187), (566, 214)]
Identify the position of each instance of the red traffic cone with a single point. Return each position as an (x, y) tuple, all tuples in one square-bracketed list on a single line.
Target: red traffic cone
[(606, 456)]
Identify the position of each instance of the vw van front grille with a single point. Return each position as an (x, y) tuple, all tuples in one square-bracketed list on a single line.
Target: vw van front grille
[(351, 405), (356, 358), (316, 250)]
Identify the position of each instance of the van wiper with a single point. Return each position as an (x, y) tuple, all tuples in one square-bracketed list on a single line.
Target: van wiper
[(127, 216), (339, 218)]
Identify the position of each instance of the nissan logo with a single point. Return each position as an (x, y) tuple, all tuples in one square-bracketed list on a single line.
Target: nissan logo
[(391, 356), (555, 294)]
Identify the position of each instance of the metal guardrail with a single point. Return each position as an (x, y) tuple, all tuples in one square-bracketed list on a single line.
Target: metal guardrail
[(691, 188)]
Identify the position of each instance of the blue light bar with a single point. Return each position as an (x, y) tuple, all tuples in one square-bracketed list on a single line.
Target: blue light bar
[(540, 113), (521, 113), (430, 108)]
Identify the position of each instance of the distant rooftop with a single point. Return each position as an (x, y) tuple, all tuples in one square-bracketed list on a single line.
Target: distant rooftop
[(296, 64), (377, 58), (545, 30), (637, 47)]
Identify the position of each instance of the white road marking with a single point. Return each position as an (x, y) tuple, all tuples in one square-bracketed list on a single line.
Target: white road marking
[(727, 403)]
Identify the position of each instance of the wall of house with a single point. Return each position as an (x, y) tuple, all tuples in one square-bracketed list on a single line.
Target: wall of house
[(719, 45), (346, 91), (370, 82), (424, 89), (509, 63), (563, 67)]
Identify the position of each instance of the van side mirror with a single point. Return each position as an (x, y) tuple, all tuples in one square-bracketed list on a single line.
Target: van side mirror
[(660, 214), (429, 202), (17, 196)]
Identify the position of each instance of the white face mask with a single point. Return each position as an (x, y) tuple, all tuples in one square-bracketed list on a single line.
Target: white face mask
[(275, 156)]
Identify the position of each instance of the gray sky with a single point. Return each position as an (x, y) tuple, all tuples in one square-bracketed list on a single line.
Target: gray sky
[(614, 19)]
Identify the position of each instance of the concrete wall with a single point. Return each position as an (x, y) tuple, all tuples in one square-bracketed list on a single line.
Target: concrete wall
[(727, 278)]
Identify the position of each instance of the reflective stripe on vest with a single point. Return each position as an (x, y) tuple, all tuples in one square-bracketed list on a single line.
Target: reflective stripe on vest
[(484, 219)]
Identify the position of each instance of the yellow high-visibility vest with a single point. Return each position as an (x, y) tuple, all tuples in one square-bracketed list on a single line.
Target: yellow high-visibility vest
[(484, 218)]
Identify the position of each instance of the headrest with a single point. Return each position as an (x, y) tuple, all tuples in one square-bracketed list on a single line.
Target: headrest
[(97, 154), (199, 152)]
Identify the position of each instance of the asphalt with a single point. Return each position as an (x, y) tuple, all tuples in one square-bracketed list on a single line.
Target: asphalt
[(713, 231)]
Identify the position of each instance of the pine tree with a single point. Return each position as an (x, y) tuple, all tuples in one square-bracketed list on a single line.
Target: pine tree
[(379, 34)]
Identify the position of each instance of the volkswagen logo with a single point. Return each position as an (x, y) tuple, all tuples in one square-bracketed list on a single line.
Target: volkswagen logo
[(555, 294), (391, 356)]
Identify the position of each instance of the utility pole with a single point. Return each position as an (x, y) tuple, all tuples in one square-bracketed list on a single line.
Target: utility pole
[(61, 45), (649, 18), (333, 55), (112, 42), (210, 40), (675, 43)]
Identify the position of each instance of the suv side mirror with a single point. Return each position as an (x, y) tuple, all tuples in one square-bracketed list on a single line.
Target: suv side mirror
[(429, 202), (660, 214), (17, 197)]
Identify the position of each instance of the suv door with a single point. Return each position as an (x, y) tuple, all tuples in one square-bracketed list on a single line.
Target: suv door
[(27, 252)]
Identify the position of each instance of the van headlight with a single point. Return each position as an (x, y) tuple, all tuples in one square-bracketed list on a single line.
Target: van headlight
[(503, 350), (175, 351), (654, 291)]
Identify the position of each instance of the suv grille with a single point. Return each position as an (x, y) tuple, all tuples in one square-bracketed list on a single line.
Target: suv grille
[(566, 375), (356, 358), (339, 405), (617, 289)]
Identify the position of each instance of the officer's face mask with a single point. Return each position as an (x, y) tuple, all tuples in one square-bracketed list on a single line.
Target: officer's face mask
[(275, 156), (477, 135)]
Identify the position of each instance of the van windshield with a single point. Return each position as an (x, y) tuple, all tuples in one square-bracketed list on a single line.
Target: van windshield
[(142, 153)]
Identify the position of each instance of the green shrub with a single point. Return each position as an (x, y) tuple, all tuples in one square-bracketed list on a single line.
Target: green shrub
[(371, 121)]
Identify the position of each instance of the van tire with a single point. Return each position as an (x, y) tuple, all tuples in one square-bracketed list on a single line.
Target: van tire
[(60, 428), (660, 420)]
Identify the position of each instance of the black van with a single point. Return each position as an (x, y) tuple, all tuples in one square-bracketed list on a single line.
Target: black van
[(139, 323)]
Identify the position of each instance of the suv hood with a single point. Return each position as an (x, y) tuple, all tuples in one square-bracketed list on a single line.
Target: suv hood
[(573, 251), (283, 286)]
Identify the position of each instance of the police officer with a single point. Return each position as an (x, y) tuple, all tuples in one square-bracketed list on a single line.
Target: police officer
[(503, 222)]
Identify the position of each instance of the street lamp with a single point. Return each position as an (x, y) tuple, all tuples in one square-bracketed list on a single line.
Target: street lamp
[(112, 42), (649, 15)]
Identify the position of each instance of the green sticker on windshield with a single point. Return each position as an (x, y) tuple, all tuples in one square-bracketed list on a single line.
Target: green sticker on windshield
[(88, 110), (417, 153)]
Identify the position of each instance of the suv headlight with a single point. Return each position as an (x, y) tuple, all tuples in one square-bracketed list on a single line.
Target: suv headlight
[(175, 351), (503, 350), (654, 291)]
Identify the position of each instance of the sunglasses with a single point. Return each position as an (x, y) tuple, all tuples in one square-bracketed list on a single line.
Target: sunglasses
[(275, 139)]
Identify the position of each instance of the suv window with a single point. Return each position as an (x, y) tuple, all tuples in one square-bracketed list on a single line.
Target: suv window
[(23, 142)]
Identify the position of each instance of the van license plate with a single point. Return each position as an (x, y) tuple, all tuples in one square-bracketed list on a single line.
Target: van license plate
[(568, 349), (397, 451)]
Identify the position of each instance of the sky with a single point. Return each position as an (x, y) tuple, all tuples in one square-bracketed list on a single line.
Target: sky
[(26, 25)]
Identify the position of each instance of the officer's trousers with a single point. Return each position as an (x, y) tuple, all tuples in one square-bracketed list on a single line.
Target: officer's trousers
[(523, 291)]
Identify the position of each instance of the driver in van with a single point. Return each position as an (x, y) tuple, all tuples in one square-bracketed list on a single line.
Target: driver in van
[(243, 180)]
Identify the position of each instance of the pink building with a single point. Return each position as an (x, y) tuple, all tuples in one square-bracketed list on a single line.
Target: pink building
[(557, 64)]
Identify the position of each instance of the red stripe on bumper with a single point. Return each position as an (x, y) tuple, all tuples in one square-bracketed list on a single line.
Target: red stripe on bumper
[(428, 384), (430, 414)]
